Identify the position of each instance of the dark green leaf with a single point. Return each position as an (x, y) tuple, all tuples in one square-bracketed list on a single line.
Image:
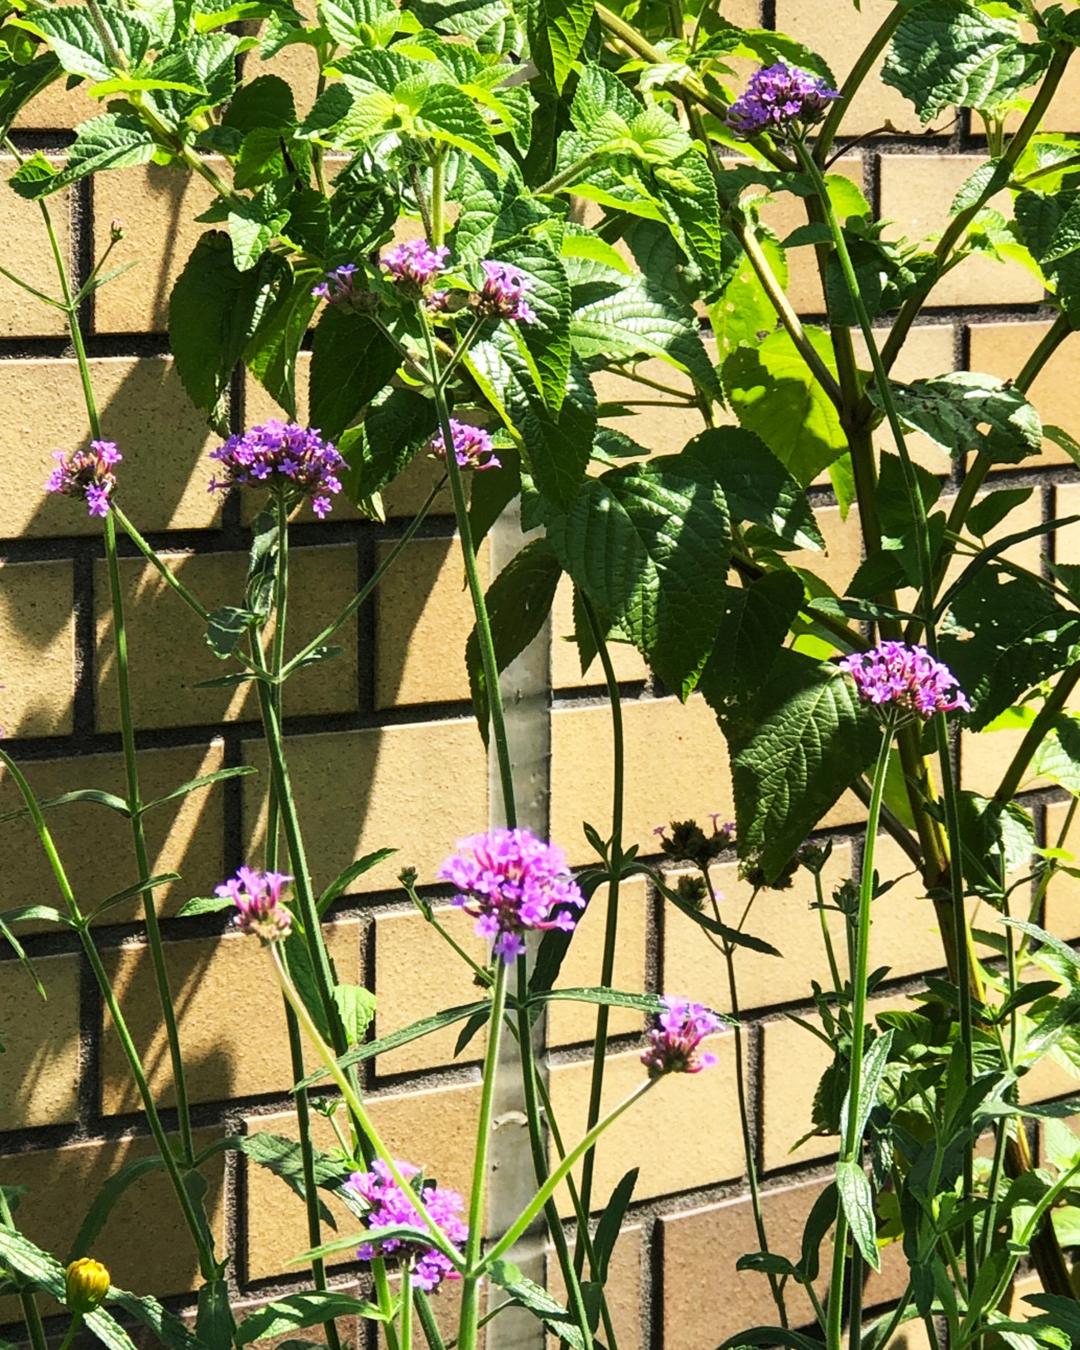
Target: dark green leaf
[(992, 509), (530, 1295), (214, 1323), (137, 888), (272, 351), (344, 880), (608, 998), (301, 1310), (37, 913), (205, 904), (111, 141), (225, 628), (857, 1200), (735, 937), (74, 37), (351, 361), (194, 784), (875, 1062), (607, 1230), (1058, 757), (546, 343), (283, 1158), (965, 411)]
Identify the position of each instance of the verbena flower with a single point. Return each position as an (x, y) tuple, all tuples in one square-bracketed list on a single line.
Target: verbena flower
[(260, 908), (503, 293), (391, 1207), (282, 456), (674, 1047), (512, 882), (472, 446), (339, 288), (86, 474), (414, 265), (897, 677), (775, 98)]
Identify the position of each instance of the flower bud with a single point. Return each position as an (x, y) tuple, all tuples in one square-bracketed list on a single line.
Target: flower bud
[(117, 231), (86, 1285)]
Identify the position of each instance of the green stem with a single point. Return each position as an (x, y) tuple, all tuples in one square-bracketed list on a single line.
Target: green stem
[(826, 133), (207, 1265), (152, 556), (470, 1291), (850, 1148), (834, 969), (569, 174), (405, 1335), (1035, 734), (547, 1190), (35, 1328), (430, 1327), (72, 1331), (438, 197)]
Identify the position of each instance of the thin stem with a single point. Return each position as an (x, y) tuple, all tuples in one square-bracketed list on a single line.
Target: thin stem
[(430, 1327), (851, 1143), (547, 1190), (827, 131), (1035, 734), (438, 196), (72, 1331), (834, 969), (569, 174), (152, 556), (405, 1334), (31, 1313), (470, 1291)]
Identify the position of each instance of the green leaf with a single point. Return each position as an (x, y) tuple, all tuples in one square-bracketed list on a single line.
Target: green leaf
[(397, 425), (194, 784), (775, 395), (274, 345), (519, 601), (565, 24), (213, 311), (214, 1323), (735, 937), (546, 343), (36, 913), (965, 411), (991, 510), (528, 1294), (809, 739), (252, 228), (137, 888), (558, 448), (448, 115), (607, 1230), (283, 1158), (686, 189), (951, 51), (875, 1062), (301, 1310), (743, 313), (74, 37), (93, 795), (351, 361), (1049, 227), (22, 83), (757, 487), (1058, 757), (204, 904), (602, 997), (649, 544), (112, 141), (344, 880), (225, 629), (359, 22), (356, 1007), (641, 320), (24, 960), (857, 1201)]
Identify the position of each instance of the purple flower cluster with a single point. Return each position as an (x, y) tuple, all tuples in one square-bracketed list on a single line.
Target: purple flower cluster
[(339, 288), (511, 882), (907, 679), (260, 908), (674, 1046), (472, 446), (86, 474), (776, 97), (503, 294), (281, 455), (414, 265), (391, 1207)]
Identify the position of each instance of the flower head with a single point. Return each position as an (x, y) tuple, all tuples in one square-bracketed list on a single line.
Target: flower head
[(503, 293), (260, 908), (472, 446), (512, 882), (690, 843), (284, 456), (674, 1045), (86, 1284), (87, 474), (776, 97), (414, 265), (388, 1206), (897, 677), (339, 288)]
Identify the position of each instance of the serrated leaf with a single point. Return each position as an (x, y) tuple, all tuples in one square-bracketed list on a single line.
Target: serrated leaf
[(252, 228), (857, 1201), (74, 37), (566, 23), (359, 22), (351, 362), (649, 545), (283, 1158), (546, 343), (1058, 757), (775, 395), (951, 51), (302, 1310), (518, 603), (448, 115), (807, 741), (1049, 227), (111, 141), (965, 411), (272, 350), (396, 427), (204, 904)]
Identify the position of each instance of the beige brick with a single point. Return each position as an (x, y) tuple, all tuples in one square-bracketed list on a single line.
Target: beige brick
[(158, 207), (699, 1158), (416, 788), (161, 486), (405, 944), (28, 255), (41, 1041), (1063, 893), (38, 638), (566, 666), (622, 1288), (58, 107), (95, 844), (692, 965), (572, 1022), (168, 651), (904, 935), (434, 1129), (984, 757), (916, 193), (1063, 114), (62, 1184), (423, 616), (1067, 540), (663, 429), (787, 213), (676, 769), (876, 104), (411, 488), (1002, 348), (705, 1300), (843, 548), (223, 988)]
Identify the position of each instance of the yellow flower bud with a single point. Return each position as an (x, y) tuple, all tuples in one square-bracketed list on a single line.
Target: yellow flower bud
[(87, 1284)]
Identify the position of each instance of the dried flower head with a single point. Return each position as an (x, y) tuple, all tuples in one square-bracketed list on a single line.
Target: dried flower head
[(260, 908), (674, 1047), (86, 474), (414, 265), (503, 293), (690, 843), (388, 1206), (86, 1285), (512, 882), (284, 457), (776, 98), (472, 446), (898, 678)]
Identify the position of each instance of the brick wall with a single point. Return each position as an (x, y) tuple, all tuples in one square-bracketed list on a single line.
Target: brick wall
[(384, 752)]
